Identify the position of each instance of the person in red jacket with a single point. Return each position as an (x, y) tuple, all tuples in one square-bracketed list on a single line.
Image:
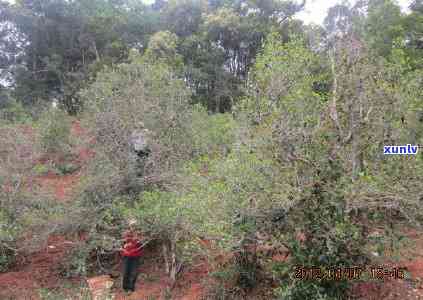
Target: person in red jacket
[(131, 253)]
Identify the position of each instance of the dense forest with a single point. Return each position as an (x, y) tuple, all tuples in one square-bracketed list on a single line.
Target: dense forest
[(254, 153)]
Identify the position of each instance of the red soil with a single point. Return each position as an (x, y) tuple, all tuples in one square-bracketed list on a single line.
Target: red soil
[(389, 289), (61, 186), (190, 283), (415, 268), (153, 282), (40, 269), (392, 289), (35, 270)]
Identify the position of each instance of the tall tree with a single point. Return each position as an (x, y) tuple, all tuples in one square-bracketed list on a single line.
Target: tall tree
[(383, 26), (68, 42), (413, 26)]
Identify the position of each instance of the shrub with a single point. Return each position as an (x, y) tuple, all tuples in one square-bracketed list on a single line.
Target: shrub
[(54, 130), (97, 252), (24, 207), (331, 240), (14, 112), (212, 133), (41, 169), (8, 234), (16, 156), (165, 217), (123, 97), (67, 168)]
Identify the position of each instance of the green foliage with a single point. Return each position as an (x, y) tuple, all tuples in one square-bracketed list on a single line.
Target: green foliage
[(283, 83), (78, 263), (15, 161), (7, 258), (227, 186), (163, 211), (8, 235), (184, 17), (303, 290), (212, 133), (383, 26), (97, 253), (21, 212), (54, 128), (57, 61), (286, 113), (163, 46), (116, 103), (331, 240), (300, 156), (59, 169), (68, 168), (413, 28), (14, 112), (41, 169), (53, 62)]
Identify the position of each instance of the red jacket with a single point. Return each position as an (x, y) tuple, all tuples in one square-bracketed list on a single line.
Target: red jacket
[(132, 247)]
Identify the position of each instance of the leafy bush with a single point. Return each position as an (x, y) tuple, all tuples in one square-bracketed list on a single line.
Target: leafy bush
[(97, 253), (116, 103), (14, 112), (123, 97), (331, 240), (8, 234), (224, 186), (54, 129), (212, 133), (165, 217), (24, 206), (287, 170), (68, 168), (16, 156), (288, 130), (41, 169)]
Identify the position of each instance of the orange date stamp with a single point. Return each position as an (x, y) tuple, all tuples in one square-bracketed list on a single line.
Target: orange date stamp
[(347, 273), (382, 273)]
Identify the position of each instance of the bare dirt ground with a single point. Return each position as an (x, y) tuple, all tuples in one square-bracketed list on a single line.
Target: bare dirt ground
[(153, 282), (411, 259)]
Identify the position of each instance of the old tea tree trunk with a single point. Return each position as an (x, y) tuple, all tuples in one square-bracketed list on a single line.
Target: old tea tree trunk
[(172, 265)]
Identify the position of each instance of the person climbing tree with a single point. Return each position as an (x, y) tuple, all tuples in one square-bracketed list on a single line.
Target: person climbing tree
[(140, 147), (131, 253)]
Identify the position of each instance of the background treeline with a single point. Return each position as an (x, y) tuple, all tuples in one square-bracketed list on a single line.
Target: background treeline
[(50, 49), (264, 133)]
